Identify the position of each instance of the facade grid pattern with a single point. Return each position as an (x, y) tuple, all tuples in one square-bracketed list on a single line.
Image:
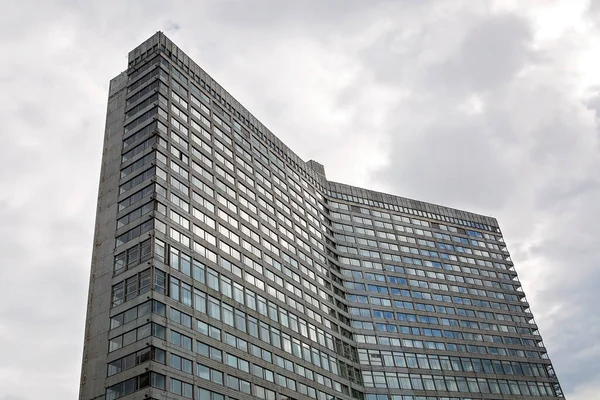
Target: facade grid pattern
[(226, 268)]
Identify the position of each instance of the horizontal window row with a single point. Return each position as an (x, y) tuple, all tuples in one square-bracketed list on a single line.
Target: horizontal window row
[(144, 79), (408, 330), (462, 348), (132, 336), (143, 118), (426, 319), (137, 196), (373, 396), (134, 232), (366, 312), (137, 358), (406, 210), (448, 363), (414, 250), (455, 347), (146, 144), (133, 256), (147, 102), (392, 328), (150, 128), (154, 86), (147, 379), (358, 275), (415, 240), (141, 310), (135, 214), (392, 380), (147, 174), (429, 296), (219, 378), (150, 65), (417, 222), (445, 256), (136, 285)]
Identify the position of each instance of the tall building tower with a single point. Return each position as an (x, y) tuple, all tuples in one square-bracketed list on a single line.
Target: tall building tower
[(226, 268)]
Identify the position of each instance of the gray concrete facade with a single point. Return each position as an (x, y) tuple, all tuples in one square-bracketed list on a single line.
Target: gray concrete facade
[(226, 268), (97, 325)]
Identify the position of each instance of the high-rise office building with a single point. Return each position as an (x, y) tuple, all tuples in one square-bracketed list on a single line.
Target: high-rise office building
[(226, 268)]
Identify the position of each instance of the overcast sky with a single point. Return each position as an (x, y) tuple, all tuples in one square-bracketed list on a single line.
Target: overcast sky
[(488, 106)]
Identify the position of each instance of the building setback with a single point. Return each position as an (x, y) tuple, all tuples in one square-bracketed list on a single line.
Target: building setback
[(226, 268)]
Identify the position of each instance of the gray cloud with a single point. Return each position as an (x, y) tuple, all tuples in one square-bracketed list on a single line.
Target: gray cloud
[(491, 54), (455, 103)]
